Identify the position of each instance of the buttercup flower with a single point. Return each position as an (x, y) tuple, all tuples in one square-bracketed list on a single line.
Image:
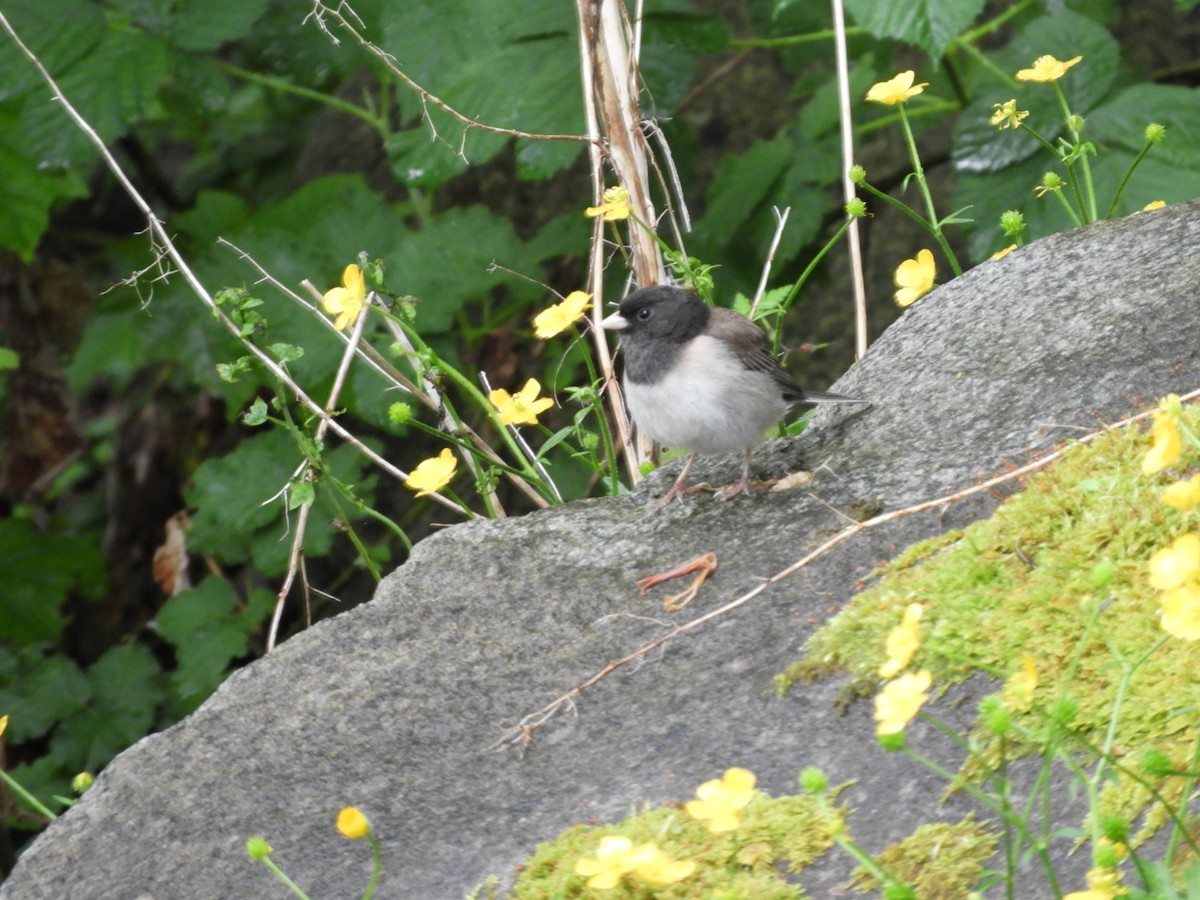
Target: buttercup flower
[(1167, 444), (660, 868), (1007, 115), (353, 824), (615, 858), (346, 301), (903, 641), (721, 799), (1154, 204), (1047, 68), (1183, 495), (900, 700), (432, 474), (523, 408), (560, 316), (614, 205), (1176, 564), (897, 90), (914, 278), (1019, 688), (1181, 611)]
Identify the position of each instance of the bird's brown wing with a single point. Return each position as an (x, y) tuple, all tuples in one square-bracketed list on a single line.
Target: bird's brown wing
[(750, 343)]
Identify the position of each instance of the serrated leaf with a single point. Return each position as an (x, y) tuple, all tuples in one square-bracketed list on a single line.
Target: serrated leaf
[(207, 24), (37, 691), (208, 632), (257, 413), (58, 33), (301, 492), (929, 24)]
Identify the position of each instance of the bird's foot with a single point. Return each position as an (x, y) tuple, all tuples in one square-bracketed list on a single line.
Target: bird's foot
[(703, 566), (678, 490)]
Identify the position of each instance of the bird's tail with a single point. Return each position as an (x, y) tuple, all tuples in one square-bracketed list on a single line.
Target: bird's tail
[(828, 397)]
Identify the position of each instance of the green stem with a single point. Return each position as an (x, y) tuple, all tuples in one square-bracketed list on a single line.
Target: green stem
[(969, 38), (792, 40), (1067, 205), (34, 802), (919, 171), (286, 87), (1088, 211), (985, 62), (278, 873), (1181, 825), (1125, 181), (777, 337), (378, 867)]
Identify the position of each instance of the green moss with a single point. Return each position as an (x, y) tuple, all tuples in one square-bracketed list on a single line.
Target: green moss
[(1057, 573), (939, 862), (776, 835)]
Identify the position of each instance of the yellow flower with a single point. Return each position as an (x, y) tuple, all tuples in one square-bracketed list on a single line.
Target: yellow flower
[(1007, 115), (614, 205), (523, 408), (1167, 446), (897, 90), (914, 277), (1000, 254), (1047, 68), (353, 824), (903, 641), (3, 725), (432, 474), (1181, 611), (560, 316), (1019, 688), (900, 700), (615, 858), (1154, 204), (722, 798), (1176, 564), (346, 301), (1183, 494), (660, 868)]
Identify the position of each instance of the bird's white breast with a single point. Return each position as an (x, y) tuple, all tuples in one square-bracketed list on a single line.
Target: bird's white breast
[(709, 402)]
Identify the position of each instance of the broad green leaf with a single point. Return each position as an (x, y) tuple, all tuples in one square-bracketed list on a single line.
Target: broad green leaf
[(929, 24), (58, 33), (39, 568), (207, 24), (38, 690)]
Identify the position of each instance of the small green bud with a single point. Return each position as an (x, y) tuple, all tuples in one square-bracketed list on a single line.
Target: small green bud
[(1116, 829), (857, 174), (891, 742), (1052, 180), (1155, 132), (646, 468), (1156, 763), (82, 782), (400, 413), (995, 715), (1106, 856), (899, 892), (1064, 710), (258, 849), (813, 780), (1012, 223), (856, 208), (1075, 123), (1103, 573)]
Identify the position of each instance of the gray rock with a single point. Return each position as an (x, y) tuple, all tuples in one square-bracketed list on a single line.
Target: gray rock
[(395, 706)]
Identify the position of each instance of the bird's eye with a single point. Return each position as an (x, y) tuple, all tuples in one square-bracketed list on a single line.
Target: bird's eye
[(644, 313)]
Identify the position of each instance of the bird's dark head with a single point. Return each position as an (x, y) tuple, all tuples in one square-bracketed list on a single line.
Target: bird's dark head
[(660, 312)]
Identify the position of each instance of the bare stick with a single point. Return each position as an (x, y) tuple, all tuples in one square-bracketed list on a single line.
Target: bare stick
[(848, 191), (780, 223), (523, 731)]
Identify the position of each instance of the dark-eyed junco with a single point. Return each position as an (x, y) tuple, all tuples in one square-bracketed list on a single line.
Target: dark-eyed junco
[(700, 378)]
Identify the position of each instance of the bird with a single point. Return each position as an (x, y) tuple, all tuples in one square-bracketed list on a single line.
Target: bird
[(700, 378)]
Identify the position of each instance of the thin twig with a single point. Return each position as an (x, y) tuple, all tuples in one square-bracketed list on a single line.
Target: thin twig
[(780, 223), (523, 731), (848, 191)]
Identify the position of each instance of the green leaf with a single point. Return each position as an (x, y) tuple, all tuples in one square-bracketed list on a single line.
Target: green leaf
[(27, 193), (9, 359), (207, 24), (58, 33), (127, 687), (39, 568), (929, 24), (257, 414), (208, 631), (302, 492), (38, 691)]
